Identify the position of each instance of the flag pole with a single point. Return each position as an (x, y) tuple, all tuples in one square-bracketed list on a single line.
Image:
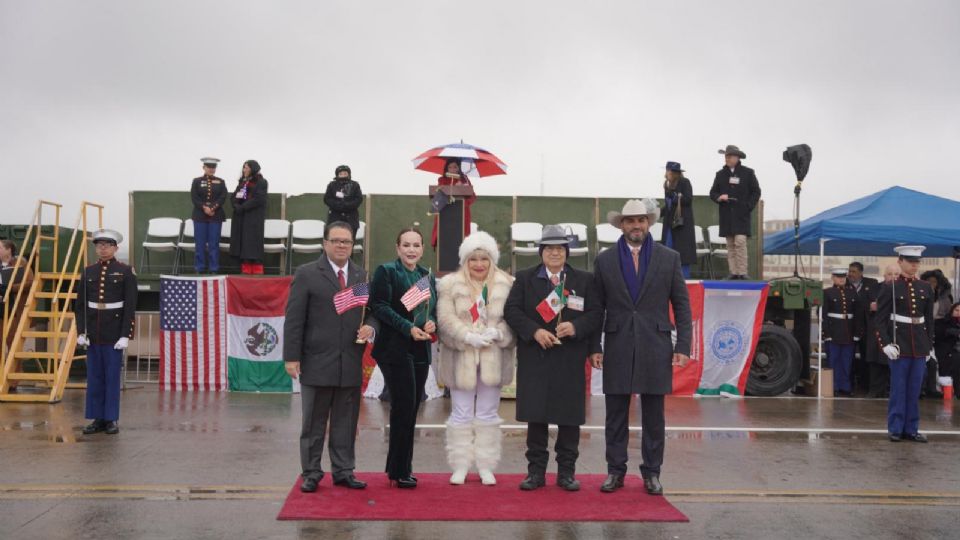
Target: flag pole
[(363, 312), (563, 287)]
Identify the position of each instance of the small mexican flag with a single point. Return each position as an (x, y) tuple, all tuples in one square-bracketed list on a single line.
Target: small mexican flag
[(255, 313), (478, 311), (550, 306)]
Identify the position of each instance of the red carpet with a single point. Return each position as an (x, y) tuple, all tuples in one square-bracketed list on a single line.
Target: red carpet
[(436, 500)]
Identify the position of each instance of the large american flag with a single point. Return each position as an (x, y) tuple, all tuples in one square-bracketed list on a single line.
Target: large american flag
[(417, 294), (193, 335), (351, 297)]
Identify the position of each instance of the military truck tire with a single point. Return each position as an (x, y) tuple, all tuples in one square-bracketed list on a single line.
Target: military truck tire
[(776, 364)]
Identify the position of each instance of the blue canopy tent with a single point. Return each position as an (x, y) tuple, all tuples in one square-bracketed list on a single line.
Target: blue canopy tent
[(874, 225)]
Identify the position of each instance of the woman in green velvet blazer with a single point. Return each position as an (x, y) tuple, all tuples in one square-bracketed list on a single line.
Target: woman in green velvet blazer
[(402, 348)]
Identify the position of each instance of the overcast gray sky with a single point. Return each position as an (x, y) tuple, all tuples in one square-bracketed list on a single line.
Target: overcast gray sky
[(102, 97)]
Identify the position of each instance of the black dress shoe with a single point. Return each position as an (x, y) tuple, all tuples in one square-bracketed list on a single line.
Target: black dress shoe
[(568, 483), (915, 437), (93, 427), (893, 437), (309, 484), (612, 483), (653, 486), (532, 482), (351, 482), (407, 482), (111, 428)]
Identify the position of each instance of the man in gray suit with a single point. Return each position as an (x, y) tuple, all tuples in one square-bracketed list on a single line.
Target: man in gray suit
[(637, 281), (322, 349)]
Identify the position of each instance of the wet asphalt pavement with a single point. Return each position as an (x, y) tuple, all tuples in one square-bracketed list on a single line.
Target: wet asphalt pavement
[(220, 465)]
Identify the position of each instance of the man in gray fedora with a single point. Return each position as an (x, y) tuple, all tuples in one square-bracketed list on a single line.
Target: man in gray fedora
[(637, 282)]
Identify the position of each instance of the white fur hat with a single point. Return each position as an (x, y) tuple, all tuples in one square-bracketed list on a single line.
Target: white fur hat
[(482, 241)]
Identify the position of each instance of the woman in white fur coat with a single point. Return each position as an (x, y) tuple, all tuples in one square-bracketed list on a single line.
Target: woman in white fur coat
[(476, 356)]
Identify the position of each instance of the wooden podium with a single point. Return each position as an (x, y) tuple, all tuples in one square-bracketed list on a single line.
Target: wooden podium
[(450, 225)]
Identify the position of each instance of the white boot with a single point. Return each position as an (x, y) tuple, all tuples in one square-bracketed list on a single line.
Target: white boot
[(459, 451), (487, 449)]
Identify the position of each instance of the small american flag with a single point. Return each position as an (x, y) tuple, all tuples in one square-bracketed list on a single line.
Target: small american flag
[(417, 294), (193, 334), (351, 297)]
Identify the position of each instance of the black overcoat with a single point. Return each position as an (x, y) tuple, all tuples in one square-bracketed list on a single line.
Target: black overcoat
[(551, 383), (744, 196), (637, 345), (246, 227), (684, 236)]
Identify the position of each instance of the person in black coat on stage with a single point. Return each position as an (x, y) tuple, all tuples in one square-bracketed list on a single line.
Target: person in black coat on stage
[(737, 192), (402, 350), (249, 214), (343, 199), (678, 225), (553, 339)]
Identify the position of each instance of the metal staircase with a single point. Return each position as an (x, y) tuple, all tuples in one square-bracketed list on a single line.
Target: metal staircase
[(47, 316)]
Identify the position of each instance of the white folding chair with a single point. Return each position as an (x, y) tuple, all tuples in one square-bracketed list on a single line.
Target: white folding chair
[(187, 243), (718, 244), (580, 230), (359, 240), (225, 236), (656, 231), (703, 249), (305, 229), (474, 227), (277, 230), (163, 235), (524, 236), (607, 235)]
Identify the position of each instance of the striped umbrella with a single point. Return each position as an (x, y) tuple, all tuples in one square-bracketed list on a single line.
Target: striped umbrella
[(474, 162)]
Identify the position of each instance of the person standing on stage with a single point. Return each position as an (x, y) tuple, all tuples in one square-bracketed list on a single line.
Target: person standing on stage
[(325, 351), (905, 326), (554, 313), (878, 362), (678, 224), (249, 216), (638, 281), (343, 199), (841, 330), (737, 192), (403, 298), (208, 193), (106, 308), (866, 289), (453, 176)]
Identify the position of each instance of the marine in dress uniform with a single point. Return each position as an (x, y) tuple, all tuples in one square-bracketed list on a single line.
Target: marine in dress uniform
[(905, 329), (208, 193), (841, 330), (105, 308)]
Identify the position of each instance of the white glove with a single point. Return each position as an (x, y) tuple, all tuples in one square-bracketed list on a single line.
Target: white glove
[(933, 354), (476, 340), (493, 334), (892, 351), (122, 343), (82, 341), (856, 339)]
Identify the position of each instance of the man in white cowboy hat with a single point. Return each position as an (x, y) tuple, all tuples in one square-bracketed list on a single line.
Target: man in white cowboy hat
[(105, 309), (737, 192), (637, 282), (904, 322)]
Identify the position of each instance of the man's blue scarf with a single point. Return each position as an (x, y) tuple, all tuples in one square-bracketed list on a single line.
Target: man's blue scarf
[(634, 279)]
